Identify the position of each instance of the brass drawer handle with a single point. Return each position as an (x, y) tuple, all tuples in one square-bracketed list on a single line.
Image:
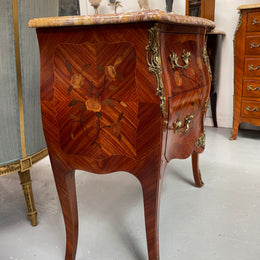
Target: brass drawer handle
[(185, 58), (254, 22), (252, 45), (250, 87), (251, 67), (178, 126), (255, 109)]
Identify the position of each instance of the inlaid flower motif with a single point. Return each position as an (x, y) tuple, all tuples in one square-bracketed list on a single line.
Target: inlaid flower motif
[(94, 101), (93, 104), (110, 73), (123, 104), (115, 128), (178, 79), (77, 80), (110, 70)]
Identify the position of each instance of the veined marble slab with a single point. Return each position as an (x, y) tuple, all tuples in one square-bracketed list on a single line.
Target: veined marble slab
[(130, 17)]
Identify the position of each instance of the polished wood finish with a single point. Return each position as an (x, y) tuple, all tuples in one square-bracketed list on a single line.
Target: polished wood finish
[(253, 20), (252, 45), (196, 170), (101, 113), (247, 69), (207, 8), (251, 88)]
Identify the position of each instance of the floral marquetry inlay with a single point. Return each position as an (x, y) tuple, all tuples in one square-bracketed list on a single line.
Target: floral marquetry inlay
[(96, 84)]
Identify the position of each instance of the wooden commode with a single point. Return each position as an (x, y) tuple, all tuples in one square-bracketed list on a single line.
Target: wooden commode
[(124, 92), (247, 68)]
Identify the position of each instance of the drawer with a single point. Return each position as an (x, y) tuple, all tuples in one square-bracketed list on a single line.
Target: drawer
[(185, 125), (183, 61), (252, 45), (253, 22), (250, 109), (251, 88), (252, 67)]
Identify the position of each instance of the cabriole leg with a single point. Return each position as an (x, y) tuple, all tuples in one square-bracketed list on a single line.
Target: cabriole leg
[(65, 184), (196, 171), (234, 132), (151, 186)]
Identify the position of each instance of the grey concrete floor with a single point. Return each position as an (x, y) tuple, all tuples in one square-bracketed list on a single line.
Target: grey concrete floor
[(219, 221)]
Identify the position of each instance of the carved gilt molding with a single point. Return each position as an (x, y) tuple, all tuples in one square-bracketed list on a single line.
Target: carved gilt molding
[(206, 106), (23, 164), (201, 141), (239, 23), (206, 58), (153, 58)]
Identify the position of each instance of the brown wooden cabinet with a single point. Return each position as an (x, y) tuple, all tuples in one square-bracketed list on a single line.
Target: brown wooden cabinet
[(247, 68), (201, 8), (128, 93), (214, 42)]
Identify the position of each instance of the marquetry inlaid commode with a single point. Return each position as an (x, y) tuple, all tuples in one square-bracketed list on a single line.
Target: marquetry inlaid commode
[(247, 68), (124, 92)]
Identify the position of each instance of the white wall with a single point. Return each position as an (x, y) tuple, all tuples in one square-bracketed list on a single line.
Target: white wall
[(226, 17), (127, 6)]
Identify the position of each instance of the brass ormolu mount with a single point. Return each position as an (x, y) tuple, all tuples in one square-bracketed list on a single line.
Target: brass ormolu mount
[(184, 127), (185, 58)]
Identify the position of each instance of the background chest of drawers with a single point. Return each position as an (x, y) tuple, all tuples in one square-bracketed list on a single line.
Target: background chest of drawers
[(247, 68)]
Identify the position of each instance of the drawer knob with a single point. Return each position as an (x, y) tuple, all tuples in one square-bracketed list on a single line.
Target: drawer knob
[(250, 87), (252, 45), (255, 21), (178, 126), (251, 67), (255, 109), (185, 58)]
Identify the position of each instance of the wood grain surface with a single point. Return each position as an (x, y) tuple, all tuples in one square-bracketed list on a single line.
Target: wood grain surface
[(246, 70), (101, 113)]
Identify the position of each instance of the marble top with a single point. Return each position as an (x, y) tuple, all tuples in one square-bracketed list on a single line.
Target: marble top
[(217, 32), (251, 6), (131, 17)]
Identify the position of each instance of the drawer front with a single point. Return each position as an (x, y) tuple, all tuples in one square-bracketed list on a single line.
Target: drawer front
[(253, 22), (251, 88), (252, 45), (183, 62), (252, 67), (185, 125), (250, 109)]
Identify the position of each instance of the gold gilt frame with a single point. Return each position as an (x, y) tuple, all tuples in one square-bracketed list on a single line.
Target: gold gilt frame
[(23, 165), (153, 59)]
